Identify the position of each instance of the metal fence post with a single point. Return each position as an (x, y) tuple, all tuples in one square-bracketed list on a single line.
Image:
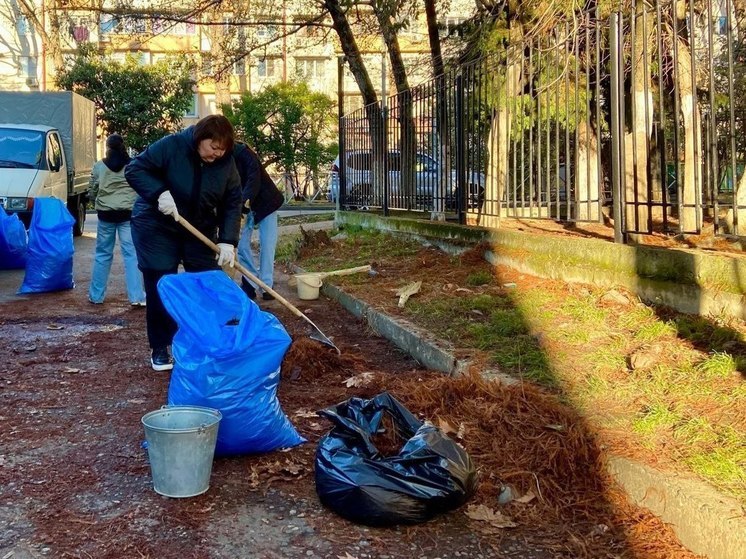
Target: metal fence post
[(385, 133), (460, 150), (617, 126), (341, 109)]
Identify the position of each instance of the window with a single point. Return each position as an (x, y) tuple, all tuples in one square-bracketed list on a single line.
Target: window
[(22, 25), (721, 25), (167, 26), (452, 26), (239, 66), (310, 67), (426, 164), (206, 64), (108, 24), (266, 32), (131, 25), (306, 30), (157, 57), (265, 67), (54, 154), (191, 112)]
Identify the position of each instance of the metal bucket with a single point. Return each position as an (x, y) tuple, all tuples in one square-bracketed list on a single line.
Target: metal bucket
[(181, 446)]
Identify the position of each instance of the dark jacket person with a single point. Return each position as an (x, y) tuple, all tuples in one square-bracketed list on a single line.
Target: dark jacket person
[(189, 174)]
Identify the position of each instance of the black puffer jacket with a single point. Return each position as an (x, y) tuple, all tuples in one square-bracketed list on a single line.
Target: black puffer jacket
[(258, 187), (208, 195)]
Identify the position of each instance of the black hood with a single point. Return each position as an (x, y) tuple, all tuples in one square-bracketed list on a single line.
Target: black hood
[(116, 160)]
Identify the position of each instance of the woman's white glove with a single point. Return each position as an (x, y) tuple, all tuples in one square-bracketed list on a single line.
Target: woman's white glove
[(227, 255), (167, 206)]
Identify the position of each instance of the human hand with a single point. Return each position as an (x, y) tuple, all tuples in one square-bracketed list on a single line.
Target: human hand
[(227, 255), (167, 206)]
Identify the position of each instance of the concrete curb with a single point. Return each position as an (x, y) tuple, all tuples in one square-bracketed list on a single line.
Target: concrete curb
[(705, 521)]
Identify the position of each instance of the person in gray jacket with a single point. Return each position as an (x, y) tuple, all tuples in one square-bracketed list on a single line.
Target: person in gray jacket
[(113, 199), (190, 174)]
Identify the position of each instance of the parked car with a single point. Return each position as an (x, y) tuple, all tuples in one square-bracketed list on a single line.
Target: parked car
[(427, 179)]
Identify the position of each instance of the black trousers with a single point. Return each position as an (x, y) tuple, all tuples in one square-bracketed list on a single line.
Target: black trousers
[(160, 250)]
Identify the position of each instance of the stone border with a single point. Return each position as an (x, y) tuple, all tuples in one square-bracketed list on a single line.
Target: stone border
[(706, 522)]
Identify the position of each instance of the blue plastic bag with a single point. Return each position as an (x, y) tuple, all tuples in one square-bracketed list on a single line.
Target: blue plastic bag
[(228, 355), (49, 261), (13, 242)]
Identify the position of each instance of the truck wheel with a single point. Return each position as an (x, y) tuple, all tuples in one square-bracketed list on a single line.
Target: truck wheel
[(76, 207)]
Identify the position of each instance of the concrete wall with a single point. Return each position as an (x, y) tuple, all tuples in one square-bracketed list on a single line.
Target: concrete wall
[(688, 280)]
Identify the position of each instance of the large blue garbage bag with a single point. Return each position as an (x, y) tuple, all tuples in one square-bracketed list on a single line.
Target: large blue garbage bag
[(228, 355), (49, 261), (13, 242), (431, 473)]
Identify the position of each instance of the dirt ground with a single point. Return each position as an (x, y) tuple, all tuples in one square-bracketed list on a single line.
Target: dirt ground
[(75, 481)]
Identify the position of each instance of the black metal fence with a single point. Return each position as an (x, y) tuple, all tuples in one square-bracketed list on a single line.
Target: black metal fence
[(635, 118)]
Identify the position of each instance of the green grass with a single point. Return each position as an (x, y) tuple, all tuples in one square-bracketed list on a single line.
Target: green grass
[(683, 408), (654, 418), (287, 248), (724, 468), (655, 330), (481, 277), (700, 330), (609, 357), (584, 310), (304, 218), (718, 365)]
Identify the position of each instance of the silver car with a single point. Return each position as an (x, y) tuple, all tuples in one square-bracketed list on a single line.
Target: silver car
[(427, 180)]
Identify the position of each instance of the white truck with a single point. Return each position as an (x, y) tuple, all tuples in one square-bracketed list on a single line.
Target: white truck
[(47, 149)]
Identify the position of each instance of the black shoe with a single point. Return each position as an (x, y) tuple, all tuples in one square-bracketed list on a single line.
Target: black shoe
[(267, 297), (248, 288), (161, 360)]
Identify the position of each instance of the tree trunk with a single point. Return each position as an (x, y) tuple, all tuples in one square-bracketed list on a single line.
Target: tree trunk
[(370, 99), (407, 148), (441, 113), (587, 187), (220, 69), (689, 219), (638, 214), (51, 40), (498, 139), (351, 51)]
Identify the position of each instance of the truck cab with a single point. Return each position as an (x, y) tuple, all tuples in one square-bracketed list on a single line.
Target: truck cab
[(32, 165), (47, 149)]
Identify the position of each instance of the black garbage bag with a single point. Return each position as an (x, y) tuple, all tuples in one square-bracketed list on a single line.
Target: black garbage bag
[(430, 475)]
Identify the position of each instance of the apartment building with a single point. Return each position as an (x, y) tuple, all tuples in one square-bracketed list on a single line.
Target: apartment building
[(280, 44)]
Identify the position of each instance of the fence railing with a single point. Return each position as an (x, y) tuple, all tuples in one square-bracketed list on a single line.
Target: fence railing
[(635, 118)]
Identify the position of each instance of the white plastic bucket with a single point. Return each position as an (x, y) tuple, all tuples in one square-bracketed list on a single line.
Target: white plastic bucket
[(308, 286), (181, 446)]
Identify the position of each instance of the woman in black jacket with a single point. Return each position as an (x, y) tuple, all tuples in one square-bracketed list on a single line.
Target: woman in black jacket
[(261, 200), (192, 174)]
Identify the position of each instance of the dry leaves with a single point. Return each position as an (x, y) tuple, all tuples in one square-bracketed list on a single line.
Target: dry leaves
[(527, 498), (449, 429), (492, 517), (359, 380), (407, 291)]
